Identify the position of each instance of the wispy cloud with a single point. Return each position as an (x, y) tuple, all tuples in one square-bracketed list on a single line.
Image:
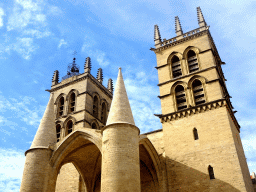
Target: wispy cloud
[(11, 169), (62, 43), (1, 17)]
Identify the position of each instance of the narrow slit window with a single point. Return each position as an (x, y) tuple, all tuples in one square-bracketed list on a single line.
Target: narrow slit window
[(198, 92), (176, 67), (103, 113), (70, 126), (61, 107), (211, 173), (58, 132), (192, 62), (180, 97), (95, 106), (72, 102), (195, 134)]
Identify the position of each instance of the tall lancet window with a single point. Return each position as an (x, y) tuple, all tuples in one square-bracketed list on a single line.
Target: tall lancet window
[(180, 97), (61, 106), (192, 62), (69, 127), (103, 113), (72, 102), (58, 127), (211, 173), (198, 92), (176, 67), (195, 134), (95, 106)]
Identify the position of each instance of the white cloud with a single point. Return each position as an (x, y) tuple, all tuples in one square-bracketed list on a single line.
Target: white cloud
[(24, 46), (11, 169), (36, 33), (1, 17), (61, 43)]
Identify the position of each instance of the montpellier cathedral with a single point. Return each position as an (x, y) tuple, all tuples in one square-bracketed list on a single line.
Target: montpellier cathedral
[(87, 140)]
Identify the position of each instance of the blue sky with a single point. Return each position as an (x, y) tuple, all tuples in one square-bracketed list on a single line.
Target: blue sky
[(39, 36)]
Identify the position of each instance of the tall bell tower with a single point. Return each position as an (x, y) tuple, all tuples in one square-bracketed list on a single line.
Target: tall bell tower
[(202, 142)]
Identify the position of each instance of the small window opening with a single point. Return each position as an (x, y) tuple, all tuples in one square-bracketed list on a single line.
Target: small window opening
[(94, 126), (198, 92), (61, 106), (70, 126), (176, 67), (180, 97), (192, 62), (103, 113), (195, 134), (211, 173), (72, 102), (95, 106), (58, 132)]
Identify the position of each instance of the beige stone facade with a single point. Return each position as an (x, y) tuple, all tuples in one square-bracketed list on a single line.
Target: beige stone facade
[(85, 144)]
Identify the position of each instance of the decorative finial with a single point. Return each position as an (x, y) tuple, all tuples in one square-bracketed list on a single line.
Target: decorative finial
[(87, 65), (100, 75), (110, 84), (55, 78), (178, 28), (200, 18), (157, 37)]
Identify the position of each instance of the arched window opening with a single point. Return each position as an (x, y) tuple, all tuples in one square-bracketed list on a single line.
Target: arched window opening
[(198, 92), (61, 106), (70, 126), (72, 102), (180, 97), (58, 127), (192, 62), (94, 126), (103, 113), (176, 67), (95, 106), (211, 173), (195, 134)]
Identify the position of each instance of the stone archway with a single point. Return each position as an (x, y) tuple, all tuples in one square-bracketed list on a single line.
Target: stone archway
[(76, 163), (150, 167)]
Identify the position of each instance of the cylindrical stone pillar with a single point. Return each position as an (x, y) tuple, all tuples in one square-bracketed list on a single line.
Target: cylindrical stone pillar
[(120, 158), (36, 170)]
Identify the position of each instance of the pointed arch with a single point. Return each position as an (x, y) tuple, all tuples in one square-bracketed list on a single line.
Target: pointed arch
[(69, 125), (211, 172), (72, 100), (60, 105), (195, 133), (191, 56), (179, 92), (174, 63), (96, 103), (95, 124), (103, 112)]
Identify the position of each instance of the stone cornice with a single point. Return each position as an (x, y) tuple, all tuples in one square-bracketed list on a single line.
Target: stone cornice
[(182, 40), (83, 76), (184, 76), (199, 109)]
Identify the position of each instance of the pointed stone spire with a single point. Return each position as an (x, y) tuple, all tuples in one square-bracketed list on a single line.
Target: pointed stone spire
[(46, 132), (110, 85), (200, 18), (87, 65), (157, 37), (55, 78), (120, 110), (178, 28), (100, 75)]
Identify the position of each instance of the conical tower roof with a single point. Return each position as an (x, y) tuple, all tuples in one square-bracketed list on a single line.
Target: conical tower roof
[(120, 110), (46, 132)]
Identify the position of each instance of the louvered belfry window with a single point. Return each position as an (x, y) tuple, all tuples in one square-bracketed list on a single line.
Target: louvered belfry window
[(61, 106), (198, 92), (70, 126), (176, 67), (192, 62), (103, 113), (180, 97), (72, 102), (95, 107), (58, 132)]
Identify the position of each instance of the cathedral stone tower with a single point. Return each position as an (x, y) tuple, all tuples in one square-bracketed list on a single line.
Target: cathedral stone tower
[(201, 133)]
